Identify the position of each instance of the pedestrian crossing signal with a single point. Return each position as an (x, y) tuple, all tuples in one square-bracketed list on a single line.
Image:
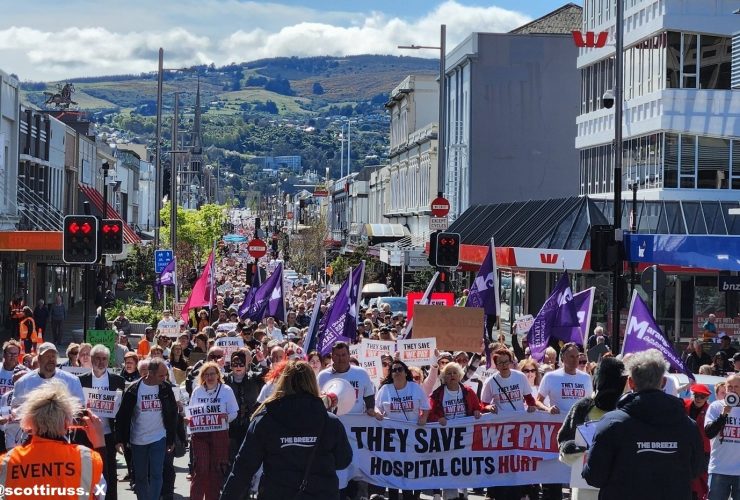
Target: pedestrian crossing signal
[(448, 249), (80, 241), (111, 237)]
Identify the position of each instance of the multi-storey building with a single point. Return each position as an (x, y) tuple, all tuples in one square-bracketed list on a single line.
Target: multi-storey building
[(512, 99), (681, 124)]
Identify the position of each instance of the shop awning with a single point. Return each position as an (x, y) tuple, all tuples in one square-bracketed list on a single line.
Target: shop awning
[(396, 231), (96, 200), (21, 241)]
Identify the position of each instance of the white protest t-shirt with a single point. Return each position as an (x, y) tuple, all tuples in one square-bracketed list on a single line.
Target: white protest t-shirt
[(516, 386), (221, 395), (102, 383), (401, 404), (725, 456), (358, 378), (147, 426), (6, 380), (453, 403), (565, 390)]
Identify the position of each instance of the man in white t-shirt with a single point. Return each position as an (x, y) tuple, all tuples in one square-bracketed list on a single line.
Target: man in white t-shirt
[(356, 376), (722, 426), (507, 391), (47, 370), (563, 388), (10, 365)]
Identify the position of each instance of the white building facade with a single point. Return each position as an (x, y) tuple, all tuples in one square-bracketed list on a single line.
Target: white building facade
[(681, 123)]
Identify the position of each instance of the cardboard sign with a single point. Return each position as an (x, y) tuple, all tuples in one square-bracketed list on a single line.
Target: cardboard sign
[(102, 403), (436, 299), (376, 348), (455, 328), (207, 418), (417, 352), (169, 328), (108, 339)]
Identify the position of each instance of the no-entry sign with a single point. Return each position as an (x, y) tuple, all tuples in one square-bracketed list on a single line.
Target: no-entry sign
[(440, 207), (257, 248)]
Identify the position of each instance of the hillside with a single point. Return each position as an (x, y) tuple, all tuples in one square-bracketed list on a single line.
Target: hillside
[(296, 85)]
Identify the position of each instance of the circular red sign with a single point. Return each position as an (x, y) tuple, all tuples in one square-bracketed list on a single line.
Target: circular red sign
[(440, 207), (257, 248)]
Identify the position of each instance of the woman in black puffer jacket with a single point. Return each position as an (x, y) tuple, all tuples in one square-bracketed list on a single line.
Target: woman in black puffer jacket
[(282, 426)]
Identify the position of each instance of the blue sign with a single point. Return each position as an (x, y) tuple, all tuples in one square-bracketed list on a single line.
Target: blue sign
[(703, 251), (161, 259)]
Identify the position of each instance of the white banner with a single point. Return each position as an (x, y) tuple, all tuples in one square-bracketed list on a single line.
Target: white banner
[(102, 403), (229, 345), (207, 418), (417, 352), (376, 348), (495, 450)]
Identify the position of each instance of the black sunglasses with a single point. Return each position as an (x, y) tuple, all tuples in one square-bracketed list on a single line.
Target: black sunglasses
[(237, 364), (398, 369), (217, 356)]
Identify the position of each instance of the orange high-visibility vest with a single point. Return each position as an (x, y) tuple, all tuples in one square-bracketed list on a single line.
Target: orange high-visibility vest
[(16, 309), (28, 329), (52, 463)]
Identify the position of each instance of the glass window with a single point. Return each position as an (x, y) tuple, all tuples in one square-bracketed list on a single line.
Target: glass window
[(670, 165), (688, 161), (673, 60), (714, 163), (689, 53), (736, 165), (715, 61)]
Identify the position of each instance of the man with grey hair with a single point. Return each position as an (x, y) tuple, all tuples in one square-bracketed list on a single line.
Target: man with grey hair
[(101, 379), (648, 448)]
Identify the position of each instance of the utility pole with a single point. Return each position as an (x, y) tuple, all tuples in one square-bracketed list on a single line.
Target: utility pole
[(618, 147), (158, 152)]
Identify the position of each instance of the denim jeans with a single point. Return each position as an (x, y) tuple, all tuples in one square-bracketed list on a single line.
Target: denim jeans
[(148, 467), (721, 485)]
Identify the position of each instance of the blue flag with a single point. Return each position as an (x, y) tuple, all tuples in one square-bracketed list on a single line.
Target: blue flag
[(484, 293), (334, 325), (558, 314), (643, 333)]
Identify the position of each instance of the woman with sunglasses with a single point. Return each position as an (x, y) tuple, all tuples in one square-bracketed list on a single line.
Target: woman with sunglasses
[(73, 351), (531, 369), (246, 384), (400, 398), (211, 448)]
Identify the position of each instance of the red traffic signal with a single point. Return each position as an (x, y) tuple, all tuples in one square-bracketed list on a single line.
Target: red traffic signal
[(447, 249), (111, 237), (80, 243)]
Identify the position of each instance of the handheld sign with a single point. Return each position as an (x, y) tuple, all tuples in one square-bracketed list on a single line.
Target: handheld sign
[(417, 352), (102, 403), (207, 418)]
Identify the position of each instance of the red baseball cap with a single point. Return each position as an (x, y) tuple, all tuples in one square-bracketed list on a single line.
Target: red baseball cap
[(700, 389)]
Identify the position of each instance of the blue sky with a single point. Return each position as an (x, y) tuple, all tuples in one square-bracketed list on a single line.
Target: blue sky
[(44, 40)]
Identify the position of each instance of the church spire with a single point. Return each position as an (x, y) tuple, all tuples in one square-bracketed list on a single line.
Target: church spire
[(197, 142)]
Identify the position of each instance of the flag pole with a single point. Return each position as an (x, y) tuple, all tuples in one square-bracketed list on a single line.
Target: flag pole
[(588, 317), (629, 315)]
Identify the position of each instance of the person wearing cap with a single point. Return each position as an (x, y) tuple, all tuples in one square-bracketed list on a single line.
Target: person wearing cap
[(47, 370), (246, 382), (145, 344), (696, 407)]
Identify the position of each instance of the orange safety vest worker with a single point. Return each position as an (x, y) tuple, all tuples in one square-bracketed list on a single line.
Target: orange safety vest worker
[(16, 309), (51, 463)]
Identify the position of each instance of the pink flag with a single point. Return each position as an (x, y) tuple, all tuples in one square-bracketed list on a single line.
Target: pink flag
[(200, 294)]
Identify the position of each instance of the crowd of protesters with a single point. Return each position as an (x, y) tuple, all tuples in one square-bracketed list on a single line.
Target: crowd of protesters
[(216, 358)]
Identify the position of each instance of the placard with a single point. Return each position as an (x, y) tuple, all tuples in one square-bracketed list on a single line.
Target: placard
[(523, 324), (435, 299), (76, 370), (357, 351), (229, 345), (455, 328), (226, 327), (108, 339), (169, 328), (417, 352), (377, 348), (206, 418), (101, 402), (374, 368)]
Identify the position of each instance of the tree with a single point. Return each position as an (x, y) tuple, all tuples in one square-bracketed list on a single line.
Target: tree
[(342, 264), (138, 269), (307, 247), (317, 88)]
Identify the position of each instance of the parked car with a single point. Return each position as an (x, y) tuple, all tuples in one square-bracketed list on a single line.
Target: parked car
[(373, 290), (398, 304)]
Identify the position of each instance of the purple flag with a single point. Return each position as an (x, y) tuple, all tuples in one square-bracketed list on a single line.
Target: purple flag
[(350, 325), (309, 341), (249, 296), (643, 333), (557, 313), (484, 293), (334, 323), (583, 303), (166, 277), (258, 309), (276, 303)]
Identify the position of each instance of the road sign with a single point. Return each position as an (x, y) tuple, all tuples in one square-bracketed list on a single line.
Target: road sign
[(440, 207), (320, 193), (438, 223), (161, 259), (257, 248)]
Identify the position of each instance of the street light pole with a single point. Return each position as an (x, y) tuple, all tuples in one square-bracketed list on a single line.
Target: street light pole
[(158, 152), (618, 147)]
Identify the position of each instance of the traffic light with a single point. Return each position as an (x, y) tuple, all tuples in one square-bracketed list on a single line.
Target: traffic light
[(111, 237), (80, 239), (448, 249), (432, 259)]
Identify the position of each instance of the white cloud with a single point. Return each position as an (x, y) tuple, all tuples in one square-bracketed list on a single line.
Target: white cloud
[(97, 49)]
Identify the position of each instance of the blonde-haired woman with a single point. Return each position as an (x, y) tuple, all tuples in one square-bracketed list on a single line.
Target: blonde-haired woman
[(211, 448), (83, 358), (531, 368), (277, 439)]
